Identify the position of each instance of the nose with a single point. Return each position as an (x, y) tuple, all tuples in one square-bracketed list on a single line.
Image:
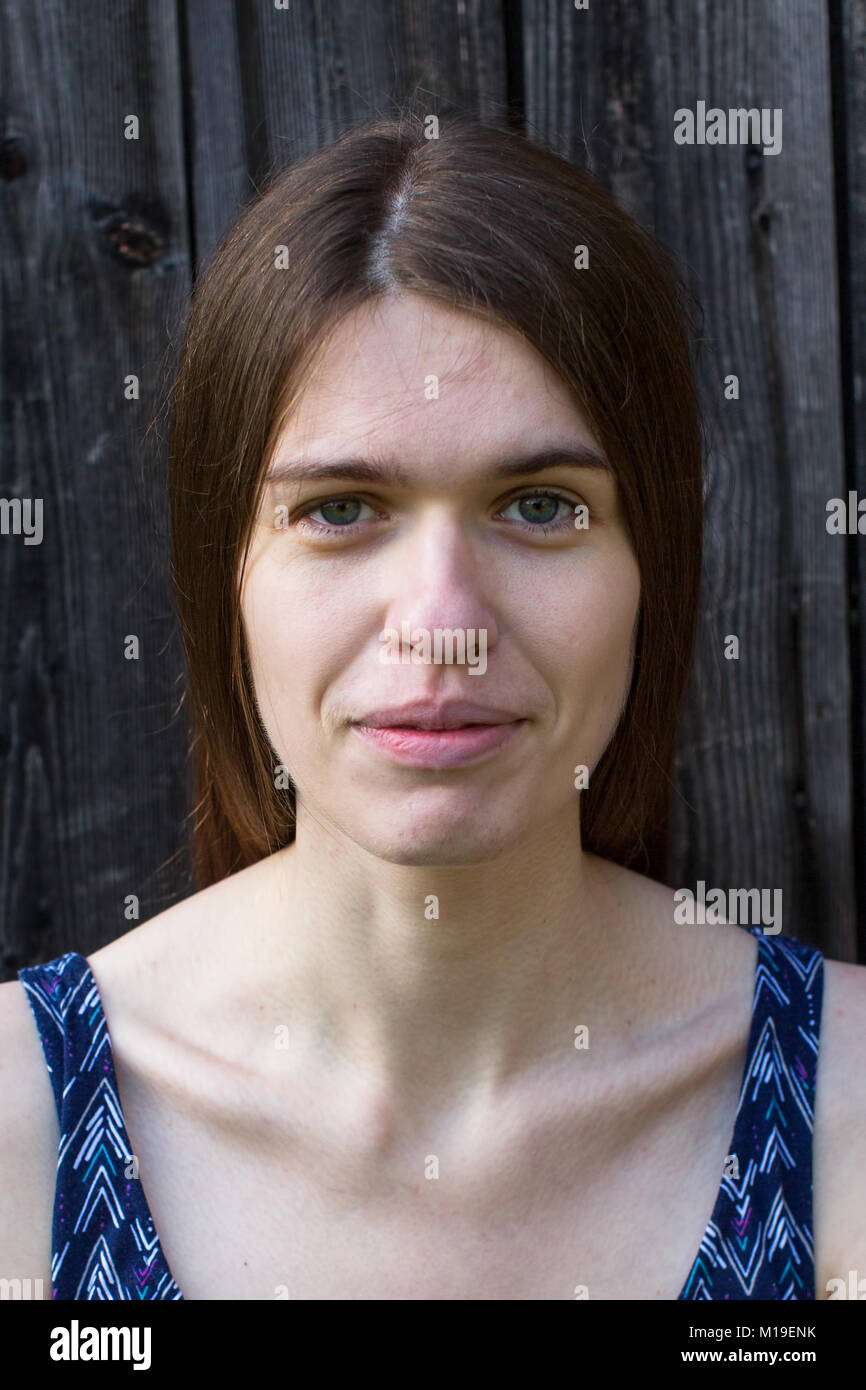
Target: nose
[(435, 576)]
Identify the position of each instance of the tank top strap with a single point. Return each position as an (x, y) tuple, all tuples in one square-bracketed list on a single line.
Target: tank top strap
[(104, 1244), (64, 1009), (759, 1242)]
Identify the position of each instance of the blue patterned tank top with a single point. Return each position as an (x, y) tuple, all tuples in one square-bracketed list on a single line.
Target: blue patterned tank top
[(757, 1243)]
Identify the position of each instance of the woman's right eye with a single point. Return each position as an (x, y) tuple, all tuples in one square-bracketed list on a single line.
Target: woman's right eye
[(340, 515)]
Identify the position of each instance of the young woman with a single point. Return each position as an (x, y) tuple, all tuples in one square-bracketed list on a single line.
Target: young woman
[(429, 1028)]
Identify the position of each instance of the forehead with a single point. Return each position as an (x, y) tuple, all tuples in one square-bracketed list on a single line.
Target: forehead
[(409, 372)]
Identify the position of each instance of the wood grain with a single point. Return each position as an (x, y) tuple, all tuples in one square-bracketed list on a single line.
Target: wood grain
[(101, 238)]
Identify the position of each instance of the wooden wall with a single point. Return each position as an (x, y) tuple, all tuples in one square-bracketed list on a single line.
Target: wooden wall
[(100, 238)]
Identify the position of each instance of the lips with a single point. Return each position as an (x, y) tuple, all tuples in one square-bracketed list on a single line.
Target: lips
[(440, 748), (430, 715)]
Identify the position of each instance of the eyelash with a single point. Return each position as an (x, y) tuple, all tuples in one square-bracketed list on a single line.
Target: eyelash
[(321, 528)]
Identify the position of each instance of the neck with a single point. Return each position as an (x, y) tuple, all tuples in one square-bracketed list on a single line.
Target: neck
[(429, 985)]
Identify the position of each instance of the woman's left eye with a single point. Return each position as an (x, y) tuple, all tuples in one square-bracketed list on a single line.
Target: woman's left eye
[(540, 510)]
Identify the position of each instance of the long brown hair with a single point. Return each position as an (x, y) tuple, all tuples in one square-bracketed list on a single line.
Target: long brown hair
[(487, 221)]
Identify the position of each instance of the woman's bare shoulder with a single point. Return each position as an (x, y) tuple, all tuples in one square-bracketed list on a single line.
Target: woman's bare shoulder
[(722, 953), (148, 979), (174, 945), (29, 1138), (840, 1131), (839, 1139)]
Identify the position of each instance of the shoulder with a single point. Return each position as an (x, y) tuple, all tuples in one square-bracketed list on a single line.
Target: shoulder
[(29, 1138), (169, 979), (840, 1129), (715, 962), (180, 936), (150, 981)]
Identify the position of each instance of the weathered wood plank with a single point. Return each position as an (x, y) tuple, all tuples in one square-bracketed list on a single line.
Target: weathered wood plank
[(848, 66), (96, 240), (99, 239), (266, 86), (94, 266), (764, 763)]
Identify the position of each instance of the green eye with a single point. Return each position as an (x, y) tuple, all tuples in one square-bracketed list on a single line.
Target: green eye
[(541, 510)]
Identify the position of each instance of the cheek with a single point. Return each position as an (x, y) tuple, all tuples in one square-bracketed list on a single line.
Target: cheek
[(611, 629), (595, 614), (592, 633), (298, 637), (279, 645)]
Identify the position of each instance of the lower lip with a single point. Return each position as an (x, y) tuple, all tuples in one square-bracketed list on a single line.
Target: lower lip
[(440, 747)]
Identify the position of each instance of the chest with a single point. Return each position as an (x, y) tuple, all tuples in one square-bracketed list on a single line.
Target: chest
[(555, 1202)]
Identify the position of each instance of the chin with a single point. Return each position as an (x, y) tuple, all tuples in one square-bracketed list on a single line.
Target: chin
[(433, 856), (418, 841)]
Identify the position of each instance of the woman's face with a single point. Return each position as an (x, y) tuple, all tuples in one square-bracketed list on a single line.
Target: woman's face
[(430, 405)]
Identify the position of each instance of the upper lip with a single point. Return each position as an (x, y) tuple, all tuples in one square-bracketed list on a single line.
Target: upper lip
[(433, 714)]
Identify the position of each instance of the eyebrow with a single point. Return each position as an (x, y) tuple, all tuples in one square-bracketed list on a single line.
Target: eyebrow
[(381, 470)]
